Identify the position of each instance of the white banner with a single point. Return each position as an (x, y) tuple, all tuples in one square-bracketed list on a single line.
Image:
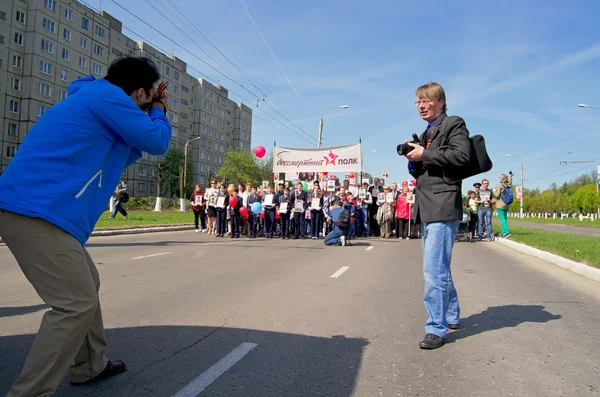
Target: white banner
[(325, 159)]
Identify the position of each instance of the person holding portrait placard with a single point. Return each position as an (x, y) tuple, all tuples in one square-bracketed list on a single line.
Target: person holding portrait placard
[(270, 206), (299, 198), (316, 209), (221, 206), (197, 203), (284, 213)]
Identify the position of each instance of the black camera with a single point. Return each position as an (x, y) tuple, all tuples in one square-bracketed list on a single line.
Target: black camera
[(405, 148)]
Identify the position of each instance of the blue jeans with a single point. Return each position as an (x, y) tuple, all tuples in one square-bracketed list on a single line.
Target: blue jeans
[(119, 209), (333, 238), (440, 297), (485, 216)]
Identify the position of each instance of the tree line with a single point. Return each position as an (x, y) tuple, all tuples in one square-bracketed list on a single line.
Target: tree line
[(577, 196)]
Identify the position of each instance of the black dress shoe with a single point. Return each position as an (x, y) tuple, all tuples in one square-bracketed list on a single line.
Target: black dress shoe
[(454, 326), (112, 368), (432, 341)]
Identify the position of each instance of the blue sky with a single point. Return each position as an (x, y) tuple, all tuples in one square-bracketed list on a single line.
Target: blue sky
[(514, 72)]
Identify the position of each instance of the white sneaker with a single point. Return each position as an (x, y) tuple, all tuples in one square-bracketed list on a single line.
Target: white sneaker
[(203, 230), (197, 230), (343, 241)]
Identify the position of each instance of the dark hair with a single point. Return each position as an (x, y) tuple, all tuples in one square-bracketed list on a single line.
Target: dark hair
[(133, 73)]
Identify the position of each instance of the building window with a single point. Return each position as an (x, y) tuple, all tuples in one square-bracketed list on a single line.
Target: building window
[(176, 89), (16, 84), (65, 54), (158, 65), (220, 160), (223, 113), (204, 130), (203, 117), (100, 32), (175, 103), (12, 129), (63, 75), (48, 25), (19, 17), (47, 46), (98, 69), (221, 149), (18, 39), (67, 34), (173, 117), (44, 89), (50, 4), (17, 61), (153, 171), (41, 109), (45, 68), (175, 75), (184, 115), (205, 92), (185, 89), (184, 102), (68, 14), (209, 157), (152, 189), (82, 62), (3, 15), (62, 95), (202, 155), (167, 70), (141, 187), (98, 50), (142, 171), (10, 151), (83, 42), (117, 52), (85, 24)]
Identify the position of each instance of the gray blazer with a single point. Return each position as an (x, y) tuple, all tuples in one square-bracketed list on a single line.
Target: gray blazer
[(435, 199)]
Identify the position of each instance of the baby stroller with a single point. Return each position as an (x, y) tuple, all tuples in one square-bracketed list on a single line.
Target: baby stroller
[(463, 227)]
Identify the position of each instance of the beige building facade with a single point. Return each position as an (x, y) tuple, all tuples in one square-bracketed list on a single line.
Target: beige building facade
[(46, 44)]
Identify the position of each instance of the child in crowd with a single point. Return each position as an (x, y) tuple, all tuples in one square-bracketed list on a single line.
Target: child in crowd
[(222, 211)]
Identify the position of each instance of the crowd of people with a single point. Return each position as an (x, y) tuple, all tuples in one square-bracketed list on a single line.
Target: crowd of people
[(304, 211)]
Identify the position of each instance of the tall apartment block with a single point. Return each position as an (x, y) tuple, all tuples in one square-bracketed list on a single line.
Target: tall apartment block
[(46, 44)]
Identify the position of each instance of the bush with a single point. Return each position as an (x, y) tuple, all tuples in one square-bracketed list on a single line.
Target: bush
[(147, 203)]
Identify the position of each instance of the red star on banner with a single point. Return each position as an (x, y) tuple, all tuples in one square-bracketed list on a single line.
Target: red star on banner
[(330, 159)]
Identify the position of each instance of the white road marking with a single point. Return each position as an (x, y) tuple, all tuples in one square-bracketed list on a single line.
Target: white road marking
[(340, 271), (150, 256), (196, 386), (369, 248)]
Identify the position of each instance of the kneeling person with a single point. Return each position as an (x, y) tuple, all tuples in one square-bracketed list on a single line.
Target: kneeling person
[(340, 217)]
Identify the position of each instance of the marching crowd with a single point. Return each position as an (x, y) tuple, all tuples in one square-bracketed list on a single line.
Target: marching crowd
[(304, 211)]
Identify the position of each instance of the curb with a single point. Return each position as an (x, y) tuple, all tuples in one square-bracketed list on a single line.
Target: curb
[(576, 267), (140, 230)]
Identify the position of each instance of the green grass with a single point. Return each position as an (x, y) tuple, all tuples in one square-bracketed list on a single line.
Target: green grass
[(144, 218), (584, 249), (558, 221)]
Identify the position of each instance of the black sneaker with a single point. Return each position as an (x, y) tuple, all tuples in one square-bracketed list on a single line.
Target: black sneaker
[(454, 326), (431, 341)]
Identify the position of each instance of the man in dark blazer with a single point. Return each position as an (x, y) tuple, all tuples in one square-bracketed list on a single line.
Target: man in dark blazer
[(446, 149)]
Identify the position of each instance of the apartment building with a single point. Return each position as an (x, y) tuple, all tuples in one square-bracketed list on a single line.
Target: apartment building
[(46, 44)]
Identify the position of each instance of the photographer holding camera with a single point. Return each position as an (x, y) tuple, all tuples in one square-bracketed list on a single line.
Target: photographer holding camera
[(445, 151), (81, 145)]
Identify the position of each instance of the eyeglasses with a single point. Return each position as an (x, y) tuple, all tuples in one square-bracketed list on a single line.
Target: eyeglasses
[(423, 102)]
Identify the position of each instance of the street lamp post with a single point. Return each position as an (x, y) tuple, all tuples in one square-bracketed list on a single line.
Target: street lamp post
[(522, 188), (321, 122), (184, 176)]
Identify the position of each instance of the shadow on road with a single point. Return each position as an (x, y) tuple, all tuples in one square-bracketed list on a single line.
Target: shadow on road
[(18, 311), (162, 360), (499, 317)]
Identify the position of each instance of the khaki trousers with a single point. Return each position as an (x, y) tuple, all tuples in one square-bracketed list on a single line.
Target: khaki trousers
[(71, 336)]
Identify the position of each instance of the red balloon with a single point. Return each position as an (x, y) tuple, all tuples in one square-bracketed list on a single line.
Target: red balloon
[(277, 216), (260, 151), (262, 214), (244, 212), (233, 202)]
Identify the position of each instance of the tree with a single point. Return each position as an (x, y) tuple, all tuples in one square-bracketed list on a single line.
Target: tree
[(586, 199), (160, 177), (239, 167), (173, 159), (266, 168)]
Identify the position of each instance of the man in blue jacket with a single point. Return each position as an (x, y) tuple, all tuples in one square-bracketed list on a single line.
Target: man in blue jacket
[(75, 153)]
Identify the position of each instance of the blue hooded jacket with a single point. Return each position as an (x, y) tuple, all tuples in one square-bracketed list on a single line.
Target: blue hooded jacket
[(69, 163)]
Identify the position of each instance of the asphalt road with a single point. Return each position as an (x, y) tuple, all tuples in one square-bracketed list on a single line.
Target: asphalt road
[(265, 318), (555, 227)]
